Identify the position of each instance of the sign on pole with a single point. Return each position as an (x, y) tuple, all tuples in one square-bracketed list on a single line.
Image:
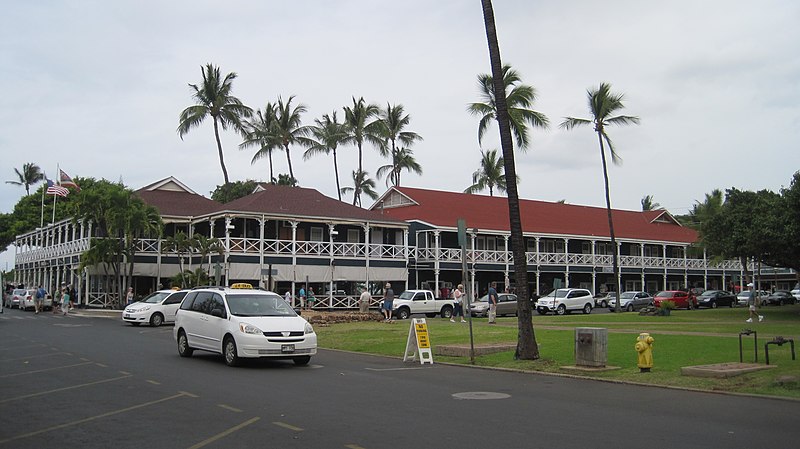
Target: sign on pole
[(419, 343)]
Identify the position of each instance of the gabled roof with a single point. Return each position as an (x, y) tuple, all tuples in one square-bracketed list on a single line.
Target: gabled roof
[(173, 199), (443, 209), (279, 200)]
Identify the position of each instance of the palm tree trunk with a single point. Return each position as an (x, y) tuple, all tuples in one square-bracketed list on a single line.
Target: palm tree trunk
[(357, 191), (614, 258), (271, 175), (219, 149), (289, 160), (336, 173), (527, 348)]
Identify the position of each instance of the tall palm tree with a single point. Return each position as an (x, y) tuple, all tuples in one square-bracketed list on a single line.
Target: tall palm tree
[(260, 132), (527, 348), (391, 125), (489, 175), (213, 98), (361, 183), (30, 175), (649, 204), (180, 244), (326, 136), (710, 207), (602, 105), (206, 246), (361, 127), (402, 159), (519, 100), (288, 126)]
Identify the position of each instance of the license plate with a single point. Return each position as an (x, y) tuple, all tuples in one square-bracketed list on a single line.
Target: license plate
[(287, 348)]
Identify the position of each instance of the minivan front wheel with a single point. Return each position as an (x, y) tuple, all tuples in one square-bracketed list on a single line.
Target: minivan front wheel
[(229, 351), (302, 361), (183, 345)]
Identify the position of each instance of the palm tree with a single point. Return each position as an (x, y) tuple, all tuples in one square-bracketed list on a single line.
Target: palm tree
[(30, 175), (360, 128), (288, 128), (649, 204), (326, 136), (710, 207), (361, 183), (402, 159), (213, 98), (391, 126), (527, 348), (260, 133), (180, 244), (286, 180), (519, 99), (206, 246), (489, 175), (602, 105)]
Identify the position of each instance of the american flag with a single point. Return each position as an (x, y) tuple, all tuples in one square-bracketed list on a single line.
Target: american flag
[(65, 180), (54, 189)]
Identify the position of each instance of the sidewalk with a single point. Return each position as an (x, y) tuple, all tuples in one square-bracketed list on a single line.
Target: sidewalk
[(105, 313)]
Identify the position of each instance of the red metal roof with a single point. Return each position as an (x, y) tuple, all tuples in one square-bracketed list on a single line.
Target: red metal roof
[(178, 203), (443, 209)]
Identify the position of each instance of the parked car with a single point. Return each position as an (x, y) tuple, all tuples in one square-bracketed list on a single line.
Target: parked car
[(779, 298), (716, 298), (603, 300), (506, 305), (156, 308), (27, 299), (630, 301), (242, 323), (682, 299), (15, 298), (563, 300), (743, 297), (796, 291)]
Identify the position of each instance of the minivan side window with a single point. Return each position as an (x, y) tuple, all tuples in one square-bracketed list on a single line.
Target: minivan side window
[(216, 303), (202, 303), (187, 303), (175, 298)]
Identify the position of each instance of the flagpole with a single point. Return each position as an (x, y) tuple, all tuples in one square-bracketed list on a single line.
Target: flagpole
[(44, 189), (58, 173)]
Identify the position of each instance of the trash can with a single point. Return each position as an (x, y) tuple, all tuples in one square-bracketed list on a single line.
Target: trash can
[(591, 346)]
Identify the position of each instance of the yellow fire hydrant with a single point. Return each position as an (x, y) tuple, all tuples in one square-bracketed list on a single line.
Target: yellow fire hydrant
[(644, 346)]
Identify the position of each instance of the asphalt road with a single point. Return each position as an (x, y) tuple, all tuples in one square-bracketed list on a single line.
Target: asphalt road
[(88, 382)]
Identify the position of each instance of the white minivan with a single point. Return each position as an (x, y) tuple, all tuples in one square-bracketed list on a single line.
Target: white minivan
[(242, 323)]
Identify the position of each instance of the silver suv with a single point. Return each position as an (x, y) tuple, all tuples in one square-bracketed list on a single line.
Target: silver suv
[(242, 323), (564, 300)]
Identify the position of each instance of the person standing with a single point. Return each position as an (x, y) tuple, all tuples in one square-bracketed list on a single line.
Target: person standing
[(66, 302), (288, 297), (302, 295), (364, 300), (57, 300), (388, 300), (493, 303), (311, 298), (129, 296), (458, 306)]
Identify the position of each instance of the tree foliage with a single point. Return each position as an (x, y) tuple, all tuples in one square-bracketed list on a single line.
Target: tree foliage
[(233, 190)]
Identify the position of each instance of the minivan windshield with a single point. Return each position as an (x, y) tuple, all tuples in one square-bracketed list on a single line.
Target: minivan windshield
[(155, 298), (259, 305)]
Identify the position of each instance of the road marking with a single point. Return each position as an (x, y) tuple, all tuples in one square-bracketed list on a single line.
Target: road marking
[(101, 365), (43, 370), (71, 387), (353, 446), (228, 407), (92, 418), (153, 382), (287, 426), (125, 373), (225, 433), (189, 394), (390, 369)]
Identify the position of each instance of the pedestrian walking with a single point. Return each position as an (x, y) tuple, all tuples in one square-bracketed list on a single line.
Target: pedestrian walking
[(388, 300), (364, 300), (129, 296), (751, 306), (57, 300), (492, 303), (38, 299), (288, 297), (458, 306)]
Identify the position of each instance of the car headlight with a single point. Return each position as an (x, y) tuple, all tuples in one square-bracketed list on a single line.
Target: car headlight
[(144, 309), (249, 329), (308, 328)]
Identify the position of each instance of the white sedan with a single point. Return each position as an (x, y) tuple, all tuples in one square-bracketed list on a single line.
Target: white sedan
[(156, 309)]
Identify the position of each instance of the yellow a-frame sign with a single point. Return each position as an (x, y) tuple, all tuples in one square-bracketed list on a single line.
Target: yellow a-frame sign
[(419, 343)]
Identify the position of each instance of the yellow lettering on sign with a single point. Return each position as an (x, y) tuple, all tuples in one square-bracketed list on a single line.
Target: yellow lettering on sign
[(422, 336)]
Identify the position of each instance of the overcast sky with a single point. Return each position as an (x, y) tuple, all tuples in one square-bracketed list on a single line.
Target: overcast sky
[(96, 87)]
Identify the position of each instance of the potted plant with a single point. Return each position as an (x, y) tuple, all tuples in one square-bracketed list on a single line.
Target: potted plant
[(664, 307)]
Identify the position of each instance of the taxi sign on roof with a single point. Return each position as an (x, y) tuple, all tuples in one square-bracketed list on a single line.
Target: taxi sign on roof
[(243, 285)]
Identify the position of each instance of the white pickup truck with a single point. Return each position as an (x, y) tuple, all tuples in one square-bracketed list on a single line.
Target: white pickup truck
[(421, 301)]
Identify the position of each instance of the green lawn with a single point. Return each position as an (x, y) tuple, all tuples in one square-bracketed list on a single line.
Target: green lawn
[(684, 338)]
